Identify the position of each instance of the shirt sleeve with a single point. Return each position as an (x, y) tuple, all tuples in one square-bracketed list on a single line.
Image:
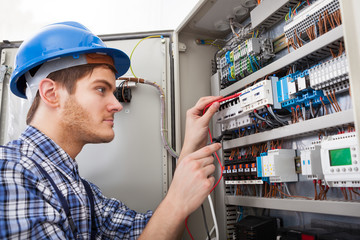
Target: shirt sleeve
[(26, 207), (115, 220)]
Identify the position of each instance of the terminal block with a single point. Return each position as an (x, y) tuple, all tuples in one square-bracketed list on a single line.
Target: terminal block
[(332, 75), (309, 17)]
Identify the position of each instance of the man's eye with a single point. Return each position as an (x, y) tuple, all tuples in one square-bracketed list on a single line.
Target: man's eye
[(102, 90)]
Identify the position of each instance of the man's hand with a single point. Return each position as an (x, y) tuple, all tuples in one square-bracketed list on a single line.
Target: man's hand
[(191, 184), (196, 130), (193, 179)]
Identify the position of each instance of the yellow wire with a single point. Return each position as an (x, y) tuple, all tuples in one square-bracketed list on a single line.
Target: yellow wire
[(155, 36)]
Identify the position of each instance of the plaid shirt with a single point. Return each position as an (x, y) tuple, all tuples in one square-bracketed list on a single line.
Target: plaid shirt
[(29, 206)]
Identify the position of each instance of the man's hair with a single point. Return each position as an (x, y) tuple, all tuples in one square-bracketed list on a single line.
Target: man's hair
[(66, 78)]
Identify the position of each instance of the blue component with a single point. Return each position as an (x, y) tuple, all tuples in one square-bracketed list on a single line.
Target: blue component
[(263, 154), (304, 98), (304, 162), (227, 57), (266, 179), (259, 166), (285, 88), (279, 91), (309, 162)]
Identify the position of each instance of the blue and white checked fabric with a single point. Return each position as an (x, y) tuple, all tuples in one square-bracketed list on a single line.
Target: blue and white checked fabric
[(29, 206)]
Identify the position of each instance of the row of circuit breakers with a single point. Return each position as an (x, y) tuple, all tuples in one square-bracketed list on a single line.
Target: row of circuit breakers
[(333, 158)]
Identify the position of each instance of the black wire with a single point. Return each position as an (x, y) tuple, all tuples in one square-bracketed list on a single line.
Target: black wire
[(204, 216), (317, 111)]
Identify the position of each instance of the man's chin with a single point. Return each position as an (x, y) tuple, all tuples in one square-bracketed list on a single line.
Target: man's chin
[(103, 139)]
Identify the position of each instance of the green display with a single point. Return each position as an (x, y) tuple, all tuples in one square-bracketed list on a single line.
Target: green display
[(339, 157)]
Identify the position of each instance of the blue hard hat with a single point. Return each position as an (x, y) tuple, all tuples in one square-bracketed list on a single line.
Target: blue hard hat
[(59, 40)]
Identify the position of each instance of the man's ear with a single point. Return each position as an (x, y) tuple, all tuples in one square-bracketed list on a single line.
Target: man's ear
[(48, 90)]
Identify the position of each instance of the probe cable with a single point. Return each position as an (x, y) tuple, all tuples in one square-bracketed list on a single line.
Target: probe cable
[(221, 173)]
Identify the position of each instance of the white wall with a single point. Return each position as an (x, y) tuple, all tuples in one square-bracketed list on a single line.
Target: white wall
[(20, 18)]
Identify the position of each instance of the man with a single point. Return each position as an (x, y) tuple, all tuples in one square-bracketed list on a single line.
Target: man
[(69, 74)]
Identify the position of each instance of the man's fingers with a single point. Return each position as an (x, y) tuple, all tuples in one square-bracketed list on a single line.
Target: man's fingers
[(206, 151), (211, 111), (204, 101), (209, 169), (207, 161)]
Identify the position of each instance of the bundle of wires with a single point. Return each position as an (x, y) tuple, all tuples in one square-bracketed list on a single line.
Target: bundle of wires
[(293, 12)]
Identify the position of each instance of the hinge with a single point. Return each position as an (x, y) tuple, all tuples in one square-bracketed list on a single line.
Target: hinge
[(3, 70), (182, 47), (3, 57)]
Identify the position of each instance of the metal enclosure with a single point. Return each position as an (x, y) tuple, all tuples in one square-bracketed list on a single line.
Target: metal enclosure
[(193, 76)]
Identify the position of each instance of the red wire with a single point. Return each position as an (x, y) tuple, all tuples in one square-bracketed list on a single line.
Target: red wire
[(188, 228), (217, 157), (221, 100)]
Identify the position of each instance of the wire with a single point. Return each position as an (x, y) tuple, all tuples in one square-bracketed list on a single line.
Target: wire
[(187, 228), (164, 138), (214, 217), (154, 36), (205, 222), (282, 122), (232, 27)]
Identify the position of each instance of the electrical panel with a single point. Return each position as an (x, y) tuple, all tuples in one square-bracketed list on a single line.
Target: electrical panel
[(288, 134)]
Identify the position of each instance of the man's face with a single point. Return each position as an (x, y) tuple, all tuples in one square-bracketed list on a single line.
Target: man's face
[(88, 113)]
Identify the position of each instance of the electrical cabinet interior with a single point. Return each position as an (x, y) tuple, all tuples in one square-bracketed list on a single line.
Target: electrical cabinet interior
[(290, 143)]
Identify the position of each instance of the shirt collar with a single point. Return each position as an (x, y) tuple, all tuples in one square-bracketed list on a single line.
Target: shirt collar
[(50, 150)]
